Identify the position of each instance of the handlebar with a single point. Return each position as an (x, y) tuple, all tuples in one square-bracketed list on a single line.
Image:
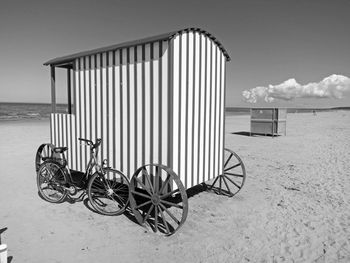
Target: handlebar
[(90, 143)]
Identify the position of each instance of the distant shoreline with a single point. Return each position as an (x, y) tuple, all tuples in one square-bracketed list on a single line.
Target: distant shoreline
[(17, 111)]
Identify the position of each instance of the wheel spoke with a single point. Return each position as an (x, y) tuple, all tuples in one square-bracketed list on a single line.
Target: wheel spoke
[(119, 198), (228, 188), (171, 204), (143, 204), (170, 193), (156, 185), (170, 214), (228, 159), (164, 220), (233, 174), (212, 185), (141, 194), (156, 218), (148, 214), (99, 184), (233, 182), (143, 186), (233, 166), (147, 178), (165, 183), (96, 190)]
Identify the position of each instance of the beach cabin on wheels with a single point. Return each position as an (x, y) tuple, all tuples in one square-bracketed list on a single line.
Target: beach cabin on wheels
[(268, 121), (157, 100)]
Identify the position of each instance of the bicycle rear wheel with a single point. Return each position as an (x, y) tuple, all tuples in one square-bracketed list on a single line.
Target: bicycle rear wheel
[(109, 193), (51, 179)]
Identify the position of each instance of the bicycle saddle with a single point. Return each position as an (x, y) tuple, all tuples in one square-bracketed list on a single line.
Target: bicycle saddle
[(60, 149)]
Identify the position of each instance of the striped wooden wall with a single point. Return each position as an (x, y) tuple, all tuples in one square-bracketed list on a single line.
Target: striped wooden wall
[(160, 102), (198, 107), (122, 97)]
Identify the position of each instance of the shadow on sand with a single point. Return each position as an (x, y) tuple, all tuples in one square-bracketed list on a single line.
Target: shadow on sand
[(252, 134)]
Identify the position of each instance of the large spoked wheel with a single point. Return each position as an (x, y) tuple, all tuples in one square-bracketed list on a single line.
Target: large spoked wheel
[(158, 199), (232, 180), (44, 152), (51, 179), (109, 193)]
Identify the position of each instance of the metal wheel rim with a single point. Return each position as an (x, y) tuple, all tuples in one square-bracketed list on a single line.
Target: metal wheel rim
[(50, 178), (231, 181), (158, 199), (44, 150), (109, 197)]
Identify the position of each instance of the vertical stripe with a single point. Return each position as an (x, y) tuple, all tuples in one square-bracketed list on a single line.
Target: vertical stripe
[(75, 92), (114, 119), (121, 110), (81, 113), (147, 104), (213, 98), (125, 111), (201, 108), (165, 101), (57, 140), (143, 105), (206, 111), (104, 106), (196, 110), (176, 147), (117, 101), (51, 129), (139, 92), (79, 156), (189, 107), (87, 123), (93, 97), (98, 100), (155, 103), (211, 111), (91, 87), (110, 142), (132, 113), (69, 136), (183, 100), (71, 152), (151, 103), (128, 109), (136, 106), (222, 112), (216, 89), (160, 104), (96, 96), (223, 73)]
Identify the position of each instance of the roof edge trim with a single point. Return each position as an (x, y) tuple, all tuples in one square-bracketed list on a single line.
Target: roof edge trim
[(166, 36)]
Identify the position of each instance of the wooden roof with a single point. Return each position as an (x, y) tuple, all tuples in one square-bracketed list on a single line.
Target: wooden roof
[(62, 61)]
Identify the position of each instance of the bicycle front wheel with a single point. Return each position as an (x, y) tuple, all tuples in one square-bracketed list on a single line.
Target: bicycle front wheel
[(109, 193)]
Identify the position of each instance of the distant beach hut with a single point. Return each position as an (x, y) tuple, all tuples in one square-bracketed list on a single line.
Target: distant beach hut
[(268, 121)]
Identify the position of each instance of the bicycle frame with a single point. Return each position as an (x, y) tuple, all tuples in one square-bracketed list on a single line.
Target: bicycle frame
[(93, 163)]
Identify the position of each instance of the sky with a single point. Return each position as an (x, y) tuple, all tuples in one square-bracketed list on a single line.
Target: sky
[(270, 42)]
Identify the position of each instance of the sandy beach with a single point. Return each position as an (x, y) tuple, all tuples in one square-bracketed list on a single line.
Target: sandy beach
[(294, 207)]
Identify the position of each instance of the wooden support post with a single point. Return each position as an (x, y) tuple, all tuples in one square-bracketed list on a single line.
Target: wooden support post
[(53, 89), (69, 88), (3, 253)]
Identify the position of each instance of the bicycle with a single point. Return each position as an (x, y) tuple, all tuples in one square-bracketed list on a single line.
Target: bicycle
[(107, 188)]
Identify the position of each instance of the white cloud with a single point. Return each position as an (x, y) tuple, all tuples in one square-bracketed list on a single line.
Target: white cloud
[(330, 87)]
